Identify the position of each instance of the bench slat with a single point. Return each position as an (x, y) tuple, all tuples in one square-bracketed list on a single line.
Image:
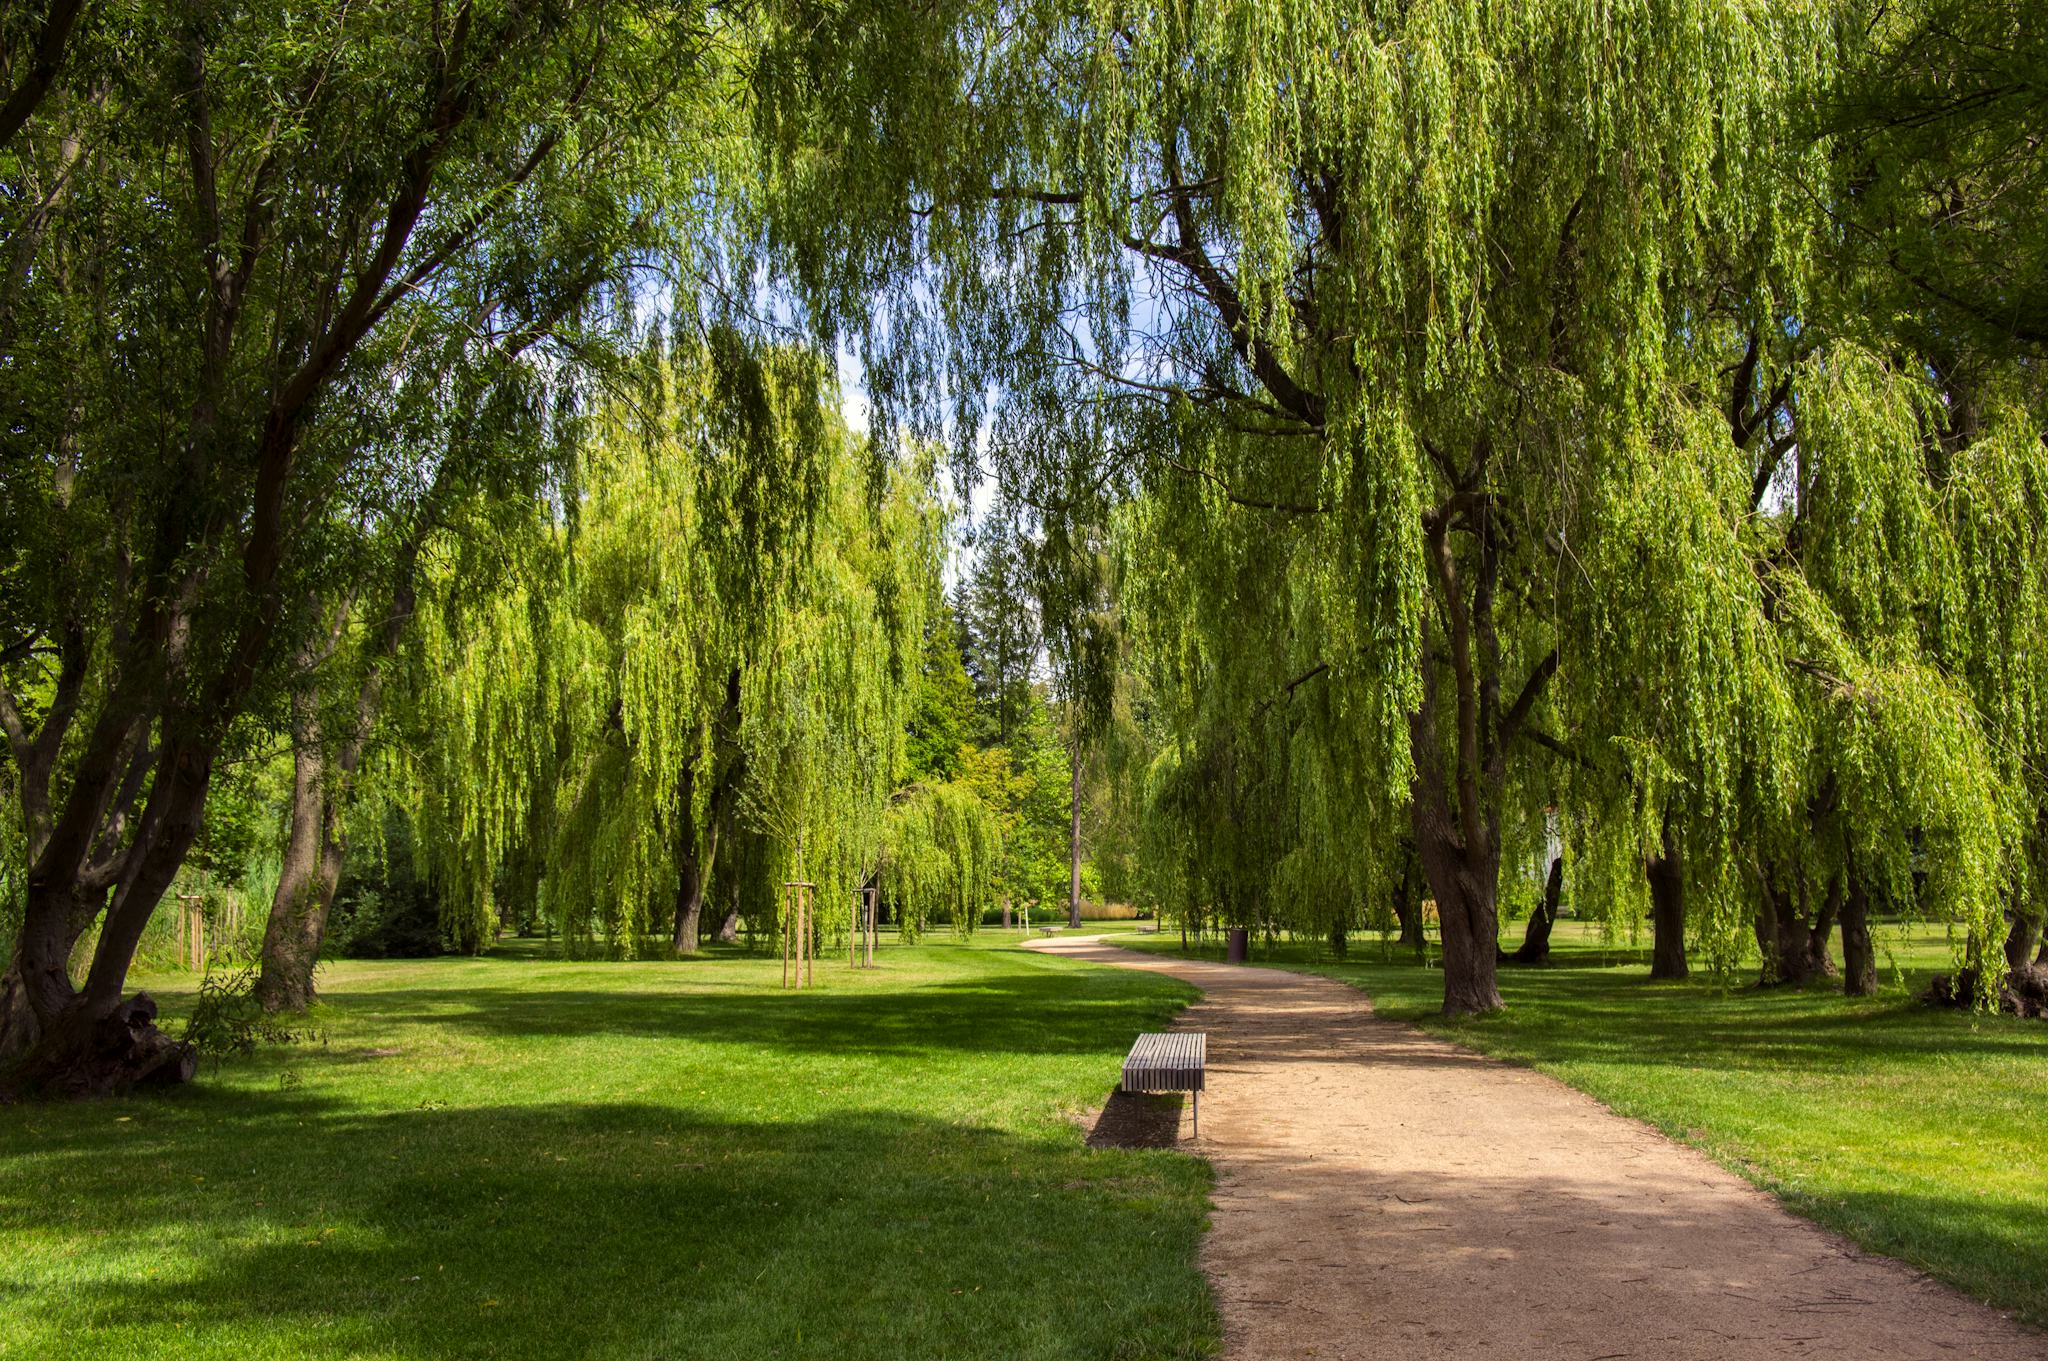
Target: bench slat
[(1168, 1062)]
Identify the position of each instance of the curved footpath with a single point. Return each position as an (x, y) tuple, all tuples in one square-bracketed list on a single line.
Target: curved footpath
[(1384, 1194)]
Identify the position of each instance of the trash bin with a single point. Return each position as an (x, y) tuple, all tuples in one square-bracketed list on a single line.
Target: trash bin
[(1237, 944)]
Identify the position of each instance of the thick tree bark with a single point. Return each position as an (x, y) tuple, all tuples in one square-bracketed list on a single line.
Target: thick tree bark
[(1667, 910), (2024, 939), (1859, 957), (1464, 884), (1340, 940), (1535, 947)]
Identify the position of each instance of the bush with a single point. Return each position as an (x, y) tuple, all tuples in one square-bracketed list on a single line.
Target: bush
[(383, 907), (1044, 912)]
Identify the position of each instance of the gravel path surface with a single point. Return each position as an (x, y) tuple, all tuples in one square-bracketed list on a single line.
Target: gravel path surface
[(1384, 1194)]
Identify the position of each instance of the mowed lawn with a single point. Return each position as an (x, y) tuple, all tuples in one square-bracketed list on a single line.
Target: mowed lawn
[(518, 1157), (1920, 1134)]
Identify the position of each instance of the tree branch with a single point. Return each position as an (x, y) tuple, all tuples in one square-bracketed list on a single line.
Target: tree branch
[(42, 68)]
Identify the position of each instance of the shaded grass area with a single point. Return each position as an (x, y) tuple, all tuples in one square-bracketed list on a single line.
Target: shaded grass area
[(625, 1160), (1917, 1133)]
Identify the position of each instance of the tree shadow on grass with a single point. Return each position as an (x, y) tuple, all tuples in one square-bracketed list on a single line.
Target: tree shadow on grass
[(281, 1224), (1051, 1013)]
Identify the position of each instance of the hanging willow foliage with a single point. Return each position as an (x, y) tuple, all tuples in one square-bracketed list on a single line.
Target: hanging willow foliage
[(736, 593), (939, 857), (1500, 423)]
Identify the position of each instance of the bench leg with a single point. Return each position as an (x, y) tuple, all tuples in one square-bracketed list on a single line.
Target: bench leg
[(1198, 1115)]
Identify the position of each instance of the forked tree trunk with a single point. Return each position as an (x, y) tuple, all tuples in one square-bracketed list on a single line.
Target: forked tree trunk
[(1793, 948), (1468, 921), (1667, 910), (87, 1041), (1859, 958), (1535, 947)]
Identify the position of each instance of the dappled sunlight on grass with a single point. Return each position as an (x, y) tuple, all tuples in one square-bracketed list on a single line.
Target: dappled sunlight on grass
[(546, 1158)]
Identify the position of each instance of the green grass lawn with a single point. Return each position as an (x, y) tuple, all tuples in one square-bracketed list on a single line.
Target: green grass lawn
[(1917, 1133), (614, 1160)]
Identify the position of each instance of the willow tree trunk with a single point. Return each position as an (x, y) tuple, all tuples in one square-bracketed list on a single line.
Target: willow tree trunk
[(1859, 957), (691, 870), (694, 860), (1074, 840), (1667, 911), (64, 1039), (1793, 945), (695, 853), (1464, 882), (729, 929), (309, 874), (2022, 941), (1408, 902), (1535, 947)]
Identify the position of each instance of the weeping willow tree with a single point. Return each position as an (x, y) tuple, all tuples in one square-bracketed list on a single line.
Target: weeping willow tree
[(1489, 380), (716, 643)]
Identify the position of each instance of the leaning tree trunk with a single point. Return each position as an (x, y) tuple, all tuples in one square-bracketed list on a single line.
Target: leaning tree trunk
[(1859, 957), (91, 1040), (1535, 946), (1667, 910)]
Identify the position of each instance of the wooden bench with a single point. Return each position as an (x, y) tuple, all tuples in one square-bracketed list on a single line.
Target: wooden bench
[(1173, 1062)]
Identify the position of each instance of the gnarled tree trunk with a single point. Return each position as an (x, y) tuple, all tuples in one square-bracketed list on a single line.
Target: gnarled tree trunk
[(1464, 882)]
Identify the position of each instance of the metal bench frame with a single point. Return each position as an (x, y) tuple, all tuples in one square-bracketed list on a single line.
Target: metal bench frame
[(1175, 1061)]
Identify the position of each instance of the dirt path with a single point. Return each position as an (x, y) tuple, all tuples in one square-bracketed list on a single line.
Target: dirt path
[(1384, 1194)]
